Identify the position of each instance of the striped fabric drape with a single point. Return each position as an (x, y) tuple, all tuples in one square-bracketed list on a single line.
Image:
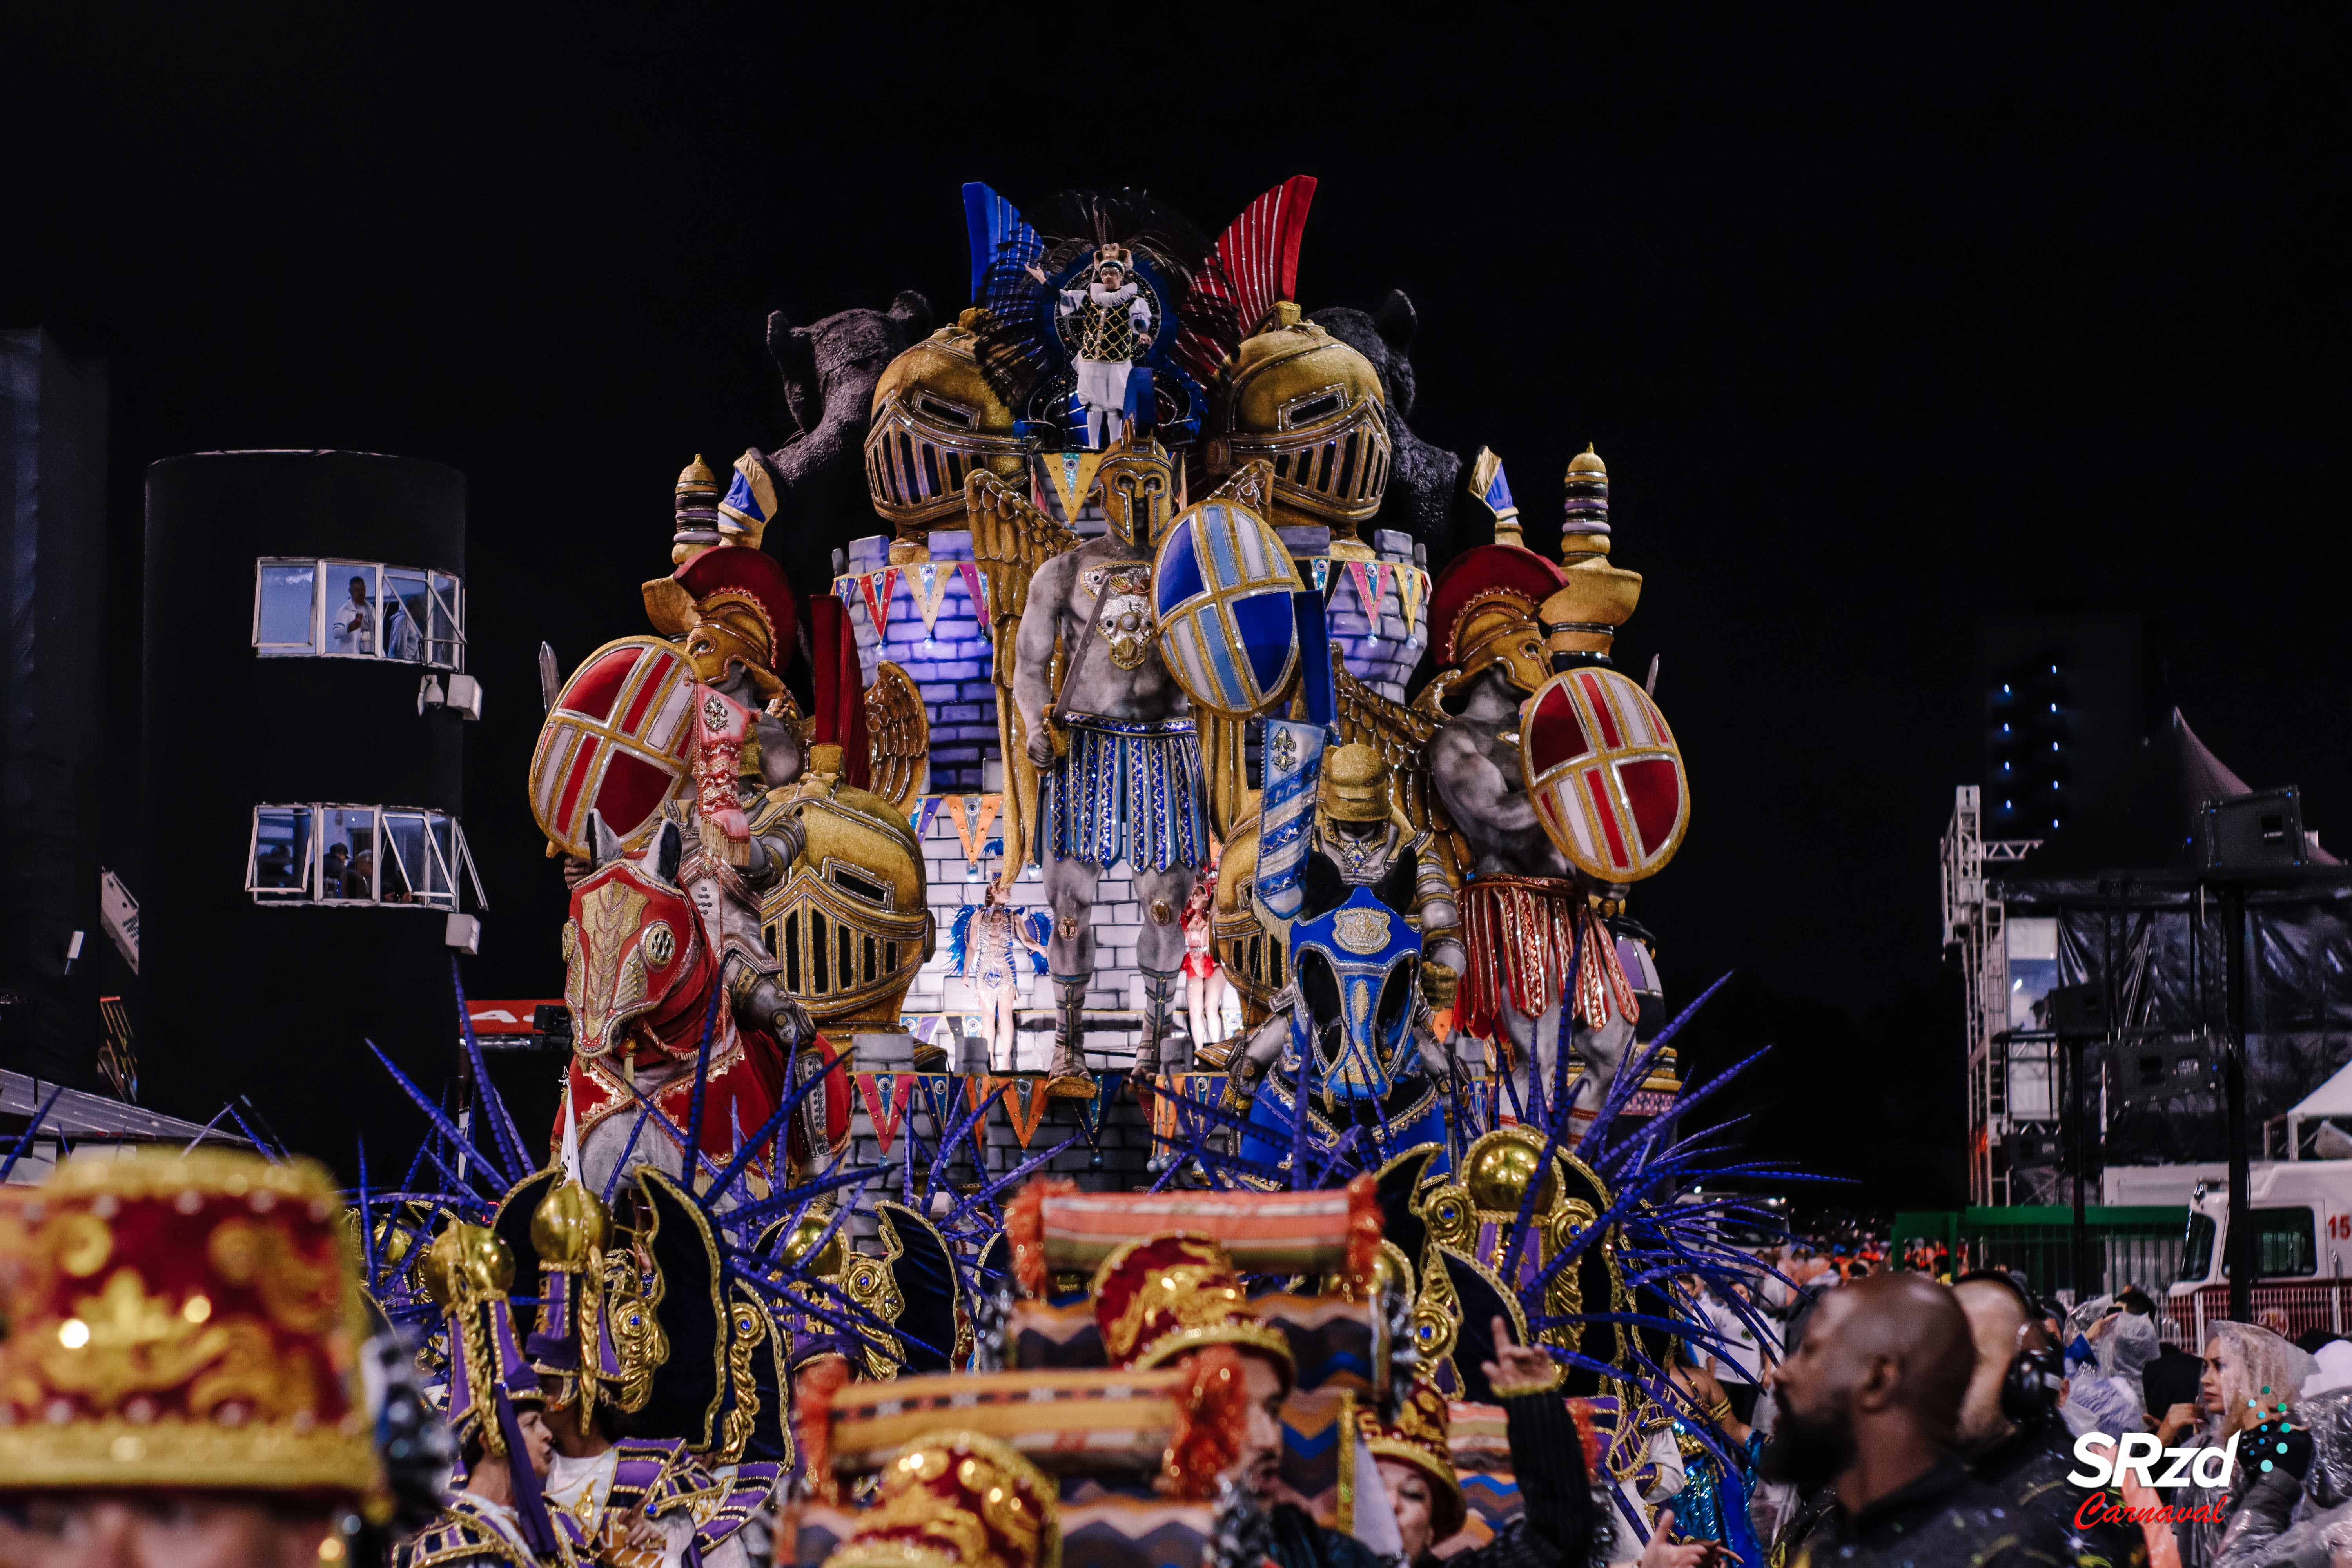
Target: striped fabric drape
[(1127, 790), (1519, 932)]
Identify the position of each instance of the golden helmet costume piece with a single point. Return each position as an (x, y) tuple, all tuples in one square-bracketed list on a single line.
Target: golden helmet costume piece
[(1310, 406), (1483, 614)]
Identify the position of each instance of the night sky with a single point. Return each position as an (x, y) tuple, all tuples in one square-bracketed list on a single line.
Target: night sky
[(1880, 328)]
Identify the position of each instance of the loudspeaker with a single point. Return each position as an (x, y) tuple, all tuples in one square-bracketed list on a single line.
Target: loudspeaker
[(2078, 1010), (2257, 831)]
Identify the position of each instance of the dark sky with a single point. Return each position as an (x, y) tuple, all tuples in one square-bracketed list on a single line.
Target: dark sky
[(1882, 324)]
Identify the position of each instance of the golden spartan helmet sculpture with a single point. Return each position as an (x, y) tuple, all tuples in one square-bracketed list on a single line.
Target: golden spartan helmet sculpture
[(936, 423), (1483, 614), (1138, 492), (1310, 406)]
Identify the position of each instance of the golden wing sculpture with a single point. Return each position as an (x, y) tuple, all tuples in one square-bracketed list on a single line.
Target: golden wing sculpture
[(1010, 540), (899, 735), (1402, 734)]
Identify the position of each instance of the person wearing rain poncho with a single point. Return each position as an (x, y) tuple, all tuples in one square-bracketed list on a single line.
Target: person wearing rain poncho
[(2300, 1514), (2251, 1379), (2108, 1396)]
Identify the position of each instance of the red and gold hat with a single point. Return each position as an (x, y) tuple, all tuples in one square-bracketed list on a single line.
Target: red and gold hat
[(1420, 1437), (1166, 1296), (958, 1500), (187, 1321)]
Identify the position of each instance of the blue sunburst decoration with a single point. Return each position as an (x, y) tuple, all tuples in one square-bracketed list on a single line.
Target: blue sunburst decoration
[(1223, 587)]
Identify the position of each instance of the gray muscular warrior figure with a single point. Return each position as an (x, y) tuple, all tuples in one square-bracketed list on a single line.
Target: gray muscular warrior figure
[(1119, 759), (1495, 641)]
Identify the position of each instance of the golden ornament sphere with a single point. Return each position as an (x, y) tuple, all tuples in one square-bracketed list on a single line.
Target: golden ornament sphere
[(1499, 1170), (568, 1226), (805, 1233)]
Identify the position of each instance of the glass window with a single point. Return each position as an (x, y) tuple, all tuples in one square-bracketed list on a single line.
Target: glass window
[(2196, 1252), (2032, 948), (2286, 1244), (359, 855), (347, 854), (445, 631), (357, 609), (350, 592), (405, 876), (2032, 1082), (281, 860), (406, 613), (284, 608)]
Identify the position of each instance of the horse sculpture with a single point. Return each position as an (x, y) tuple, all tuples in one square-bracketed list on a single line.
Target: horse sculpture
[(664, 1030)]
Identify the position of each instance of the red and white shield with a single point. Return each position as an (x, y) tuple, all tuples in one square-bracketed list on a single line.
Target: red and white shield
[(1606, 775), (616, 742)]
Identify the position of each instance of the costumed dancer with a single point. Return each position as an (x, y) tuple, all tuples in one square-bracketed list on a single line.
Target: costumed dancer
[(497, 1413), (1411, 1445), (1119, 755), (1107, 325), (1204, 978), (1374, 943), (997, 949), (181, 1380), (1718, 1453)]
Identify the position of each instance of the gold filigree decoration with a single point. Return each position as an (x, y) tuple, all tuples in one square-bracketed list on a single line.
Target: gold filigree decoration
[(123, 1342), (298, 1292)]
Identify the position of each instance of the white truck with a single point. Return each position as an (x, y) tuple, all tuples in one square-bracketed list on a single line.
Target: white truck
[(2302, 1241)]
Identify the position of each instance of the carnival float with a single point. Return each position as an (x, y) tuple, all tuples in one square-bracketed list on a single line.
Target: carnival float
[(1141, 687)]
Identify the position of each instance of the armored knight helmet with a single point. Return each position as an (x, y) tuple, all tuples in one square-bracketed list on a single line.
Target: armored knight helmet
[(1483, 614), (935, 422), (1355, 787), (1311, 405)]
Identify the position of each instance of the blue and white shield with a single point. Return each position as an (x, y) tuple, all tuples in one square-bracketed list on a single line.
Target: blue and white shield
[(1356, 969), (1223, 584)]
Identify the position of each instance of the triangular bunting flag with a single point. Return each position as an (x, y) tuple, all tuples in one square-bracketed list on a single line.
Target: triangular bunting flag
[(878, 587), (929, 588), (1091, 1112), (1322, 572), (971, 830), (975, 584), (881, 1090), (1072, 474), (1024, 1103), (1412, 586), (1366, 576)]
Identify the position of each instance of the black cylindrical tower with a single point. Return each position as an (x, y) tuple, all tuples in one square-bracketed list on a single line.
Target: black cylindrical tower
[(301, 800)]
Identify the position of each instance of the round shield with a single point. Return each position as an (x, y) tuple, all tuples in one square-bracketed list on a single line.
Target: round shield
[(615, 741), (1222, 588), (1606, 775)]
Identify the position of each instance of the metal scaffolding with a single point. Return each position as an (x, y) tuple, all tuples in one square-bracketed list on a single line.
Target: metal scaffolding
[(1974, 924)]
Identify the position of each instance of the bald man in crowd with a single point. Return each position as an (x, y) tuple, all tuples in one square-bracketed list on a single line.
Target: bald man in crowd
[(1869, 1406), (2024, 1457)]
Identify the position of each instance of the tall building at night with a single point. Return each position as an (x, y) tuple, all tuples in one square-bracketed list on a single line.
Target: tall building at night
[(2064, 707)]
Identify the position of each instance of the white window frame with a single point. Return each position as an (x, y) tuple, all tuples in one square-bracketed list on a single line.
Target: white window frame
[(309, 891), (285, 649), (445, 591), (446, 867)]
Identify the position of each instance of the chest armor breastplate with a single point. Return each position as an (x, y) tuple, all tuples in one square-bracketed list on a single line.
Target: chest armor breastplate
[(1123, 613)]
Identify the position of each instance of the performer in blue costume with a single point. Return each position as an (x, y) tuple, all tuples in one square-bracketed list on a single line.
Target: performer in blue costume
[(1374, 947)]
